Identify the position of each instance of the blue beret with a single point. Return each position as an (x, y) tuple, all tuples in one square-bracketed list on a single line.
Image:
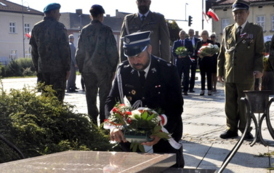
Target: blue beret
[(52, 6), (240, 5), (135, 43), (98, 8)]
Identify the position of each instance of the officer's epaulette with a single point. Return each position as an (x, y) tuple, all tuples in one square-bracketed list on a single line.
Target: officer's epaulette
[(157, 13), (124, 64), (230, 26), (162, 61)]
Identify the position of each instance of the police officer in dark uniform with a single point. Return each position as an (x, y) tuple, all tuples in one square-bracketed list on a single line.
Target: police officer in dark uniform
[(160, 89), (50, 50)]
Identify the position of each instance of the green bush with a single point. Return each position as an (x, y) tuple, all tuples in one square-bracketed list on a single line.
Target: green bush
[(39, 124), (19, 67)]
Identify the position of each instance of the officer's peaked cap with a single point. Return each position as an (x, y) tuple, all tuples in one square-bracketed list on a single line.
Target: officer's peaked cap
[(240, 5), (135, 43)]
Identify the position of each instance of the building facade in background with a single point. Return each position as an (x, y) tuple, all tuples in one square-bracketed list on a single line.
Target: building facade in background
[(261, 13), (16, 23)]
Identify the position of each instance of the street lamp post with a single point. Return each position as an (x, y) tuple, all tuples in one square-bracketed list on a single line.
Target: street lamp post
[(185, 9), (23, 27)]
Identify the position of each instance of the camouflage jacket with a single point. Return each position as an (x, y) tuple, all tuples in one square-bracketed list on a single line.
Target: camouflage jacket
[(50, 47), (97, 48)]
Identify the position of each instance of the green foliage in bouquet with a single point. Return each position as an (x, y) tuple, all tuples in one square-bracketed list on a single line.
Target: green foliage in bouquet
[(181, 51), (40, 124), (208, 50), (142, 121)]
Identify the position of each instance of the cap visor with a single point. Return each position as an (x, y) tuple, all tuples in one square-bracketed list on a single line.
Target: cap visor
[(133, 51)]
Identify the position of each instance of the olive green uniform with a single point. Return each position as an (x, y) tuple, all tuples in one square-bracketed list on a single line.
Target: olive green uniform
[(236, 63), (159, 38)]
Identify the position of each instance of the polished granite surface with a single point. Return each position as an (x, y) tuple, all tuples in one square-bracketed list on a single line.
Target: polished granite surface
[(91, 161)]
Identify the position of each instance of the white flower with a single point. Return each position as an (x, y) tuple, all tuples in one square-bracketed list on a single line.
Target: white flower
[(216, 46), (210, 45)]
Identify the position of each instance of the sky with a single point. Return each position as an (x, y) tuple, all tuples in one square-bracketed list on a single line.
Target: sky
[(171, 9)]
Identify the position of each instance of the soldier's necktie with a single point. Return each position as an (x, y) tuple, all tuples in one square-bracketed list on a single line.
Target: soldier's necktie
[(142, 78), (143, 17), (238, 33)]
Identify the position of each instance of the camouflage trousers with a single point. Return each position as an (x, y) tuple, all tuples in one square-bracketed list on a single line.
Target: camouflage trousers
[(97, 81), (58, 82)]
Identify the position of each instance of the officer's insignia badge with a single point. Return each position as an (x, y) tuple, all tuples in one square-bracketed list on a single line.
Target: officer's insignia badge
[(127, 40), (133, 92), (153, 70)]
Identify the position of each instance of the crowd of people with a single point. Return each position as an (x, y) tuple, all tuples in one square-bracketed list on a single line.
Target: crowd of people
[(188, 63), (146, 76)]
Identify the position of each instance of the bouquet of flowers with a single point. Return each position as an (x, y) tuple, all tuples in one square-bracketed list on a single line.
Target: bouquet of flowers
[(138, 125), (208, 50), (181, 51)]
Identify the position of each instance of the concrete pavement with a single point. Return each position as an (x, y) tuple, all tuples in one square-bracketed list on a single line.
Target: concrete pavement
[(204, 121)]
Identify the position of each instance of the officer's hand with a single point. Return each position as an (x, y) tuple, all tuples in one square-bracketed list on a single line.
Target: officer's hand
[(257, 74), (117, 135), (155, 141), (221, 79)]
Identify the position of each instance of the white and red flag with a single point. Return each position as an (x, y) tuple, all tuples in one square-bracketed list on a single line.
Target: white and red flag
[(213, 15)]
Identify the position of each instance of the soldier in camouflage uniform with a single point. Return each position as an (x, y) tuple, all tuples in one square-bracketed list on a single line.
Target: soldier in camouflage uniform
[(97, 58), (146, 20), (50, 50)]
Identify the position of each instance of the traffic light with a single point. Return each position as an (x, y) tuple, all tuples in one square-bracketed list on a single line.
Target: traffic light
[(189, 20)]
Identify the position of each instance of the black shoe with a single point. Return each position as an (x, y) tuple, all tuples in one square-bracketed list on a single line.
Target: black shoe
[(191, 91), (229, 134), (248, 136), (72, 91), (185, 93)]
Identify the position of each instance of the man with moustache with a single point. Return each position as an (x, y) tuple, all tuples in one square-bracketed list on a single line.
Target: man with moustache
[(145, 20), (193, 65), (240, 61), (152, 82)]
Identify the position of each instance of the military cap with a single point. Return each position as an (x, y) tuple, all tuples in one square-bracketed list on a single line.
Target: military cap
[(98, 8), (240, 5), (52, 6), (135, 43)]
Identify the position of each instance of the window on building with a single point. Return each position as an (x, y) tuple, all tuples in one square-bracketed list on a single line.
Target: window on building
[(27, 28), (272, 23), (261, 21), (225, 22), (12, 27)]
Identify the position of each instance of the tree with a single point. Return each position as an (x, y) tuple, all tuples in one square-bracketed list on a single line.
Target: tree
[(174, 30)]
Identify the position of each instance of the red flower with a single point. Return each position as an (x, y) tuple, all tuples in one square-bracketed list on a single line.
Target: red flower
[(129, 120), (128, 113)]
